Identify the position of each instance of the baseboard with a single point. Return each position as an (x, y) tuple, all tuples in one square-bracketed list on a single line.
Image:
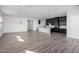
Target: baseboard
[(73, 37), (15, 32)]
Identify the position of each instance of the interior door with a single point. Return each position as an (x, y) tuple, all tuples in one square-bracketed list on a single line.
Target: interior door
[(30, 25)]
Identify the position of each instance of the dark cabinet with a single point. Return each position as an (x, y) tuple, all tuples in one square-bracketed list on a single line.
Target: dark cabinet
[(58, 22)]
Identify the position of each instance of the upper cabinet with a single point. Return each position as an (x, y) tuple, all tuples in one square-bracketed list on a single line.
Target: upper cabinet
[(62, 20), (57, 21)]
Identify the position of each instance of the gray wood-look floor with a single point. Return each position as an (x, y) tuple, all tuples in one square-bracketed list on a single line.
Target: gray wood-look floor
[(37, 42)]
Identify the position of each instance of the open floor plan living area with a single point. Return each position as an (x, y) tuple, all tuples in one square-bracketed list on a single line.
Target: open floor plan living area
[(39, 29)]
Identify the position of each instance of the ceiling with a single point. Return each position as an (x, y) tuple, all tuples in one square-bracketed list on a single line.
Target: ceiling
[(35, 11)]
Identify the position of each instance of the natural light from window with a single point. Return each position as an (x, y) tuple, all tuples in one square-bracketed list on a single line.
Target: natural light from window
[(20, 38), (29, 51)]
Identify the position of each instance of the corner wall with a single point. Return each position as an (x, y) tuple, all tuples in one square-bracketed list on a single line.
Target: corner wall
[(73, 23), (1, 25)]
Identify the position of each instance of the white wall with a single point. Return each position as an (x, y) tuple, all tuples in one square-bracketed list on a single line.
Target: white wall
[(73, 23), (14, 24), (1, 25), (17, 24), (43, 23)]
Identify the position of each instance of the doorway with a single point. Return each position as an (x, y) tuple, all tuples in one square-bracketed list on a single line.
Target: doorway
[(30, 25)]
